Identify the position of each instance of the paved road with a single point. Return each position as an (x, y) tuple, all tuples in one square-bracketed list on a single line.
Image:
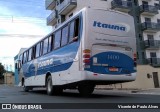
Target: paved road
[(10, 94)]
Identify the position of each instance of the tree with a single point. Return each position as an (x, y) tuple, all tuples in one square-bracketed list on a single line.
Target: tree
[(2, 70)]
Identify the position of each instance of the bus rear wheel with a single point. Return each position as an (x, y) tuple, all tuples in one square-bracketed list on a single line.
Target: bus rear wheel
[(51, 90), (25, 88), (86, 89)]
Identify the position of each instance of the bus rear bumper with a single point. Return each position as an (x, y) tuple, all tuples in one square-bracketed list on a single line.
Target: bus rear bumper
[(87, 75)]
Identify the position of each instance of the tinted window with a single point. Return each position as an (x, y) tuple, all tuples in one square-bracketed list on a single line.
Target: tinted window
[(20, 57), (64, 36), (74, 30), (71, 31), (57, 39), (50, 44), (34, 52), (37, 50), (25, 57), (53, 42), (77, 27), (147, 19), (153, 55), (30, 55), (45, 46)]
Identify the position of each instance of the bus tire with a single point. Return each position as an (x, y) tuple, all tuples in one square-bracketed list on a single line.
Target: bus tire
[(25, 88), (52, 90), (49, 86), (86, 89)]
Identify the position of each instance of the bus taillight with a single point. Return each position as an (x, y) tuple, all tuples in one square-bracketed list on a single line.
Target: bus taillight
[(86, 58), (86, 61), (87, 51), (135, 59)]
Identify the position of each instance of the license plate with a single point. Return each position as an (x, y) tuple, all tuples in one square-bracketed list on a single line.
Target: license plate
[(113, 69)]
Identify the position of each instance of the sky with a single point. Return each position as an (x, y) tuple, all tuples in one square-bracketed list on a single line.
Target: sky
[(22, 23)]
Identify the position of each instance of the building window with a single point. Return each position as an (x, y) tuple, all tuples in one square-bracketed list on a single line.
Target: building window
[(153, 55), (143, 55), (140, 37), (150, 37), (158, 21), (144, 3), (147, 19), (157, 5), (61, 1)]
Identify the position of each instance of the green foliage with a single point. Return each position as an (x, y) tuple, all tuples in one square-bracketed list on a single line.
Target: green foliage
[(2, 70)]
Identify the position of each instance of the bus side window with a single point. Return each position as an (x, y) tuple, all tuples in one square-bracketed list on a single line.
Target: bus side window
[(53, 37), (74, 30), (64, 39), (45, 46), (37, 50), (77, 27), (57, 39), (24, 57), (33, 52), (49, 43), (20, 57), (30, 55), (71, 31), (41, 48)]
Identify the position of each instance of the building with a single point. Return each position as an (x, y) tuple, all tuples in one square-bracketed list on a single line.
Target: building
[(146, 14), (9, 78)]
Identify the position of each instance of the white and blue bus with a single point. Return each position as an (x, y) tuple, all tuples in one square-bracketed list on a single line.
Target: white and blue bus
[(94, 47)]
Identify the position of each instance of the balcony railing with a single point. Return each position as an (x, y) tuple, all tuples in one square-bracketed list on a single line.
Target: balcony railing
[(154, 61), (66, 6), (50, 4), (152, 44), (121, 5), (150, 26), (52, 18), (148, 10)]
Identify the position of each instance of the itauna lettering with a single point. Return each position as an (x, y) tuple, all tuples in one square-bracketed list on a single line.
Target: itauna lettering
[(45, 63), (109, 26)]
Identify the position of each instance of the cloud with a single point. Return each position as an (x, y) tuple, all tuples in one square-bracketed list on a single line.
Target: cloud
[(10, 23), (23, 28)]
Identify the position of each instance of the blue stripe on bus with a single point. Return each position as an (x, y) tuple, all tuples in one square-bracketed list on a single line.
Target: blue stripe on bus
[(124, 63), (62, 60)]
